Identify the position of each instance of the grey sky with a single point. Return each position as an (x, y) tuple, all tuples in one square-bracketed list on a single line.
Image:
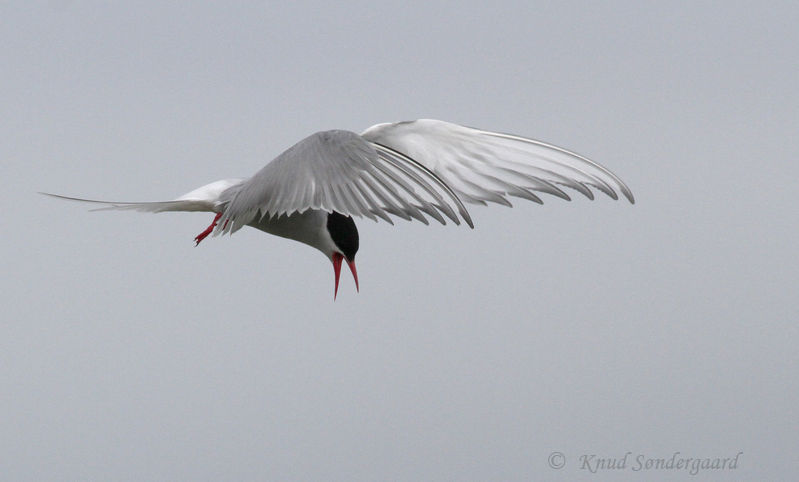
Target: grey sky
[(583, 327)]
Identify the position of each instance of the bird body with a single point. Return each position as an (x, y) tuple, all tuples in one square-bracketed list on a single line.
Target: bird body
[(410, 170)]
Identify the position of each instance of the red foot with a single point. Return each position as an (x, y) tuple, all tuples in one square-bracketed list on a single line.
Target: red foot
[(208, 230)]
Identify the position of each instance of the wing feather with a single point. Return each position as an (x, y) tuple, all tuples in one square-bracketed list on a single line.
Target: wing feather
[(417, 170), (339, 171), (482, 166), (205, 198), (412, 170)]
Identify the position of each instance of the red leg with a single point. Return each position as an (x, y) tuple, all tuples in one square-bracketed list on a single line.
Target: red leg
[(208, 230)]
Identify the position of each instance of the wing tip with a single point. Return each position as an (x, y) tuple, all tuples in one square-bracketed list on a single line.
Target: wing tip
[(628, 194)]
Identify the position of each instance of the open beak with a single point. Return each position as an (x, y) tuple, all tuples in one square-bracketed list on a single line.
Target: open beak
[(337, 258)]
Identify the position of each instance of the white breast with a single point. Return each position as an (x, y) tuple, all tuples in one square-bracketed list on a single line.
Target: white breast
[(310, 228)]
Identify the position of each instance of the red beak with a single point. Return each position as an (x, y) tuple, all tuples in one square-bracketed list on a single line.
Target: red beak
[(337, 258)]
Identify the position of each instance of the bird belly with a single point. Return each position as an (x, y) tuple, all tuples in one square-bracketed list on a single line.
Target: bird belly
[(307, 227)]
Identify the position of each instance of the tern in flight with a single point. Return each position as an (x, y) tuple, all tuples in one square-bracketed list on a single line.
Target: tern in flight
[(409, 170)]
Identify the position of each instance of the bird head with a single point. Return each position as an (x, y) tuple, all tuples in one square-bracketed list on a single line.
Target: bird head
[(344, 235)]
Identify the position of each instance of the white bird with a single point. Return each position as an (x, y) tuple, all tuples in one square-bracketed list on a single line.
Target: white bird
[(410, 170)]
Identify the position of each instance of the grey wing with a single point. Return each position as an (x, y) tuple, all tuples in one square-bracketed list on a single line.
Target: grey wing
[(204, 198), (482, 166), (147, 207), (339, 171)]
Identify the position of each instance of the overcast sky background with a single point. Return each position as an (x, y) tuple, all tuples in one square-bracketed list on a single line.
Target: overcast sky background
[(583, 327)]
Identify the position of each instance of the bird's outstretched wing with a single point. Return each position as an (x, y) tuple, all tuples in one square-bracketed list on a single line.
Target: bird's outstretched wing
[(205, 198), (482, 166), (147, 207), (339, 171)]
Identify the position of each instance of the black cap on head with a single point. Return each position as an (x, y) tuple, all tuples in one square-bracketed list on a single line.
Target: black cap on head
[(344, 233)]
